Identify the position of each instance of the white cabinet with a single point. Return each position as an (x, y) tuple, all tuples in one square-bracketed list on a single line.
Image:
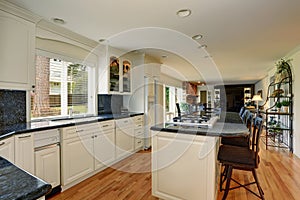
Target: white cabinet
[(17, 39), (24, 152), (139, 134), (119, 75), (76, 152), (86, 148), (7, 149), (124, 137), (47, 165), (104, 145), (184, 166)]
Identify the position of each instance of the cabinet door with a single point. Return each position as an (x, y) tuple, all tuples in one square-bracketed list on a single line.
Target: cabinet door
[(77, 159), (16, 50), (47, 165), (24, 152), (7, 149), (104, 148), (124, 142)]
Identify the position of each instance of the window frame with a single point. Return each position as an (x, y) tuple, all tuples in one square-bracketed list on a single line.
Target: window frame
[(91, 84)]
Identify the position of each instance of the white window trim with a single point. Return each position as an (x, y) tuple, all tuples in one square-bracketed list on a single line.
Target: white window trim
[(92, 92)]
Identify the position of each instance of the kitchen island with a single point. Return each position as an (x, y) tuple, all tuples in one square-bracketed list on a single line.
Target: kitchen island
[(184, 158)]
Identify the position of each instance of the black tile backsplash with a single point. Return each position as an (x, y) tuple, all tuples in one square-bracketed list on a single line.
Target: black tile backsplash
[(109, 104), (12, 107)]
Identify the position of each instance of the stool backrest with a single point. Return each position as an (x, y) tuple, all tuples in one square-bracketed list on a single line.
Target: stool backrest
[(257, 129), (242, 111), (245, 115)]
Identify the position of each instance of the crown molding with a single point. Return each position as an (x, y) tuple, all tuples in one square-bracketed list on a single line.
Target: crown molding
[(19, 12)]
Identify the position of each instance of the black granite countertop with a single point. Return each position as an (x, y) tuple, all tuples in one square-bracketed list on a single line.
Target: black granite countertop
[(9, 130), (228, 125), (18, 184)]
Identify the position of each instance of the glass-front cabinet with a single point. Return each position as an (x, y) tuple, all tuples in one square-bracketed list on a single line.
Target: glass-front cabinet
[(119, 75)]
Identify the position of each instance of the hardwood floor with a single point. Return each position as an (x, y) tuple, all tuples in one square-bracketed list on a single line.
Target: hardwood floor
[(278, 173)]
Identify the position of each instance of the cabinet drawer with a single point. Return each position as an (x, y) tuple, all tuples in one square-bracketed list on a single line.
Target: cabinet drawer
[(80, 130), (126, 122), (138, 119), (107, 125), (138, 125), (138, 143), (139, 131)]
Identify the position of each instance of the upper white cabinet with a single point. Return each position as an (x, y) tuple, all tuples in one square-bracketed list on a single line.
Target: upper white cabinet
[(119, 75), (17, 39), (24, 152), (7, 149)]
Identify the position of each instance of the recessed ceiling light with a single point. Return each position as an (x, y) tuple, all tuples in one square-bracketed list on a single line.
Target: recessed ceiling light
[(203, 46), (183, 13), (58, 21), (197, 37)]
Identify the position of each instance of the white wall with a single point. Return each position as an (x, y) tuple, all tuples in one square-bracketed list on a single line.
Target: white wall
[(263, 85)]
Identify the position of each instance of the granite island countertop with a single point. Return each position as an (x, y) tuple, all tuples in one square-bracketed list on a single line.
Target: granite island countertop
[(15, 183), (229, 124), (13, 129)]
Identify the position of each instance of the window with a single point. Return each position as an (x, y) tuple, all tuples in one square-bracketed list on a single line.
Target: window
[(60, 86), (173, 95)]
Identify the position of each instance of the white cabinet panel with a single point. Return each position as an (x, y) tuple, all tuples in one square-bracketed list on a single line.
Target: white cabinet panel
[(47, 165), (16, 50), (24, 152), (104, 148), (77, 160), (184, 160), (7, 149), (124, 141)]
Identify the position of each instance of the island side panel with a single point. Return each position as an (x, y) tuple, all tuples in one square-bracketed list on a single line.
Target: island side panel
[(184, 166)]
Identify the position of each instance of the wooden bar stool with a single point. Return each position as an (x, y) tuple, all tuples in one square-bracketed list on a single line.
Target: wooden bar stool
[(241, 158)]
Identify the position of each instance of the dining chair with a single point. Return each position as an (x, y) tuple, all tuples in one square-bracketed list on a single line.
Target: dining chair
[(241, 158)]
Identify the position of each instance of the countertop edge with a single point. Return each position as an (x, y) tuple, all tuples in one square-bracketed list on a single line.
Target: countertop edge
[(101, 118)]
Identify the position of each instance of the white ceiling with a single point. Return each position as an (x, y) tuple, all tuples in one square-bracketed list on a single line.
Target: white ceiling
[(244, 38)]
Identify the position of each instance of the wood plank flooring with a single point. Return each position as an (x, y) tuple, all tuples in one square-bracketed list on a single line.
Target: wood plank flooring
[(279, 175)]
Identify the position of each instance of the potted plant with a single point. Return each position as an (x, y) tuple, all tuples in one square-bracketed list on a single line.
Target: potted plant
[(282, 70), (278, 106), (285, 105)]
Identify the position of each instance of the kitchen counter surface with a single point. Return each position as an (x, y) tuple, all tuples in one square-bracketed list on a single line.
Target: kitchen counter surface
[(18, 184), (229, 125), (9, 130)]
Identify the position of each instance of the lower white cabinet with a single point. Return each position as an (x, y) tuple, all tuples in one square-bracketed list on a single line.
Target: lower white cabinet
[(7, 149), (24, 152), (47, 164), (77, 160), (86, 148), (124, 137), (104, 148), (138, 139)]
